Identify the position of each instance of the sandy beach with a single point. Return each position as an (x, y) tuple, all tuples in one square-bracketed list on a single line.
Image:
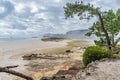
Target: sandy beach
[(8, 49), (11, 54), (28, 45)]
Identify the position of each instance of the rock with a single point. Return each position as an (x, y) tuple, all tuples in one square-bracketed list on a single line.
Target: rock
[(76, 48), (29, 56), (58, 76), (68, 51), (52, 39), (105, 69), (84, 47), (45, 78)]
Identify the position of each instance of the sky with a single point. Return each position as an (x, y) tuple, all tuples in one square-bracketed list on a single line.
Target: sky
[(33, 18)]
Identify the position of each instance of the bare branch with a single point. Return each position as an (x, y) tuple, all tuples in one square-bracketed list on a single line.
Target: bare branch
[(7, 70), (8, 67)]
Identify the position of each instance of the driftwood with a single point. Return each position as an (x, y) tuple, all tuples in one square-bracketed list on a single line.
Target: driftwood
[(7, 70)]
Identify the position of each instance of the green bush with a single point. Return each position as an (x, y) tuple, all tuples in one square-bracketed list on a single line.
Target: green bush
[(95, 53)]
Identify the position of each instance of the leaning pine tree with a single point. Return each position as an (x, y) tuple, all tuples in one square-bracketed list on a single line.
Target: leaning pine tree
[(112, 25), (80, 8)]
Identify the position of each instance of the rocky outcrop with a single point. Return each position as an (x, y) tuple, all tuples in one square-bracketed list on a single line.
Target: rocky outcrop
[(105, 69), (66, 74), (55, 66)]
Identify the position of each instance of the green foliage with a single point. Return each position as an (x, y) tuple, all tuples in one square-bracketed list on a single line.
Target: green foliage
[(95, 53), (112, 25), (100, 42), (79, 8), (107, 26), (117, 41), (118, 14)]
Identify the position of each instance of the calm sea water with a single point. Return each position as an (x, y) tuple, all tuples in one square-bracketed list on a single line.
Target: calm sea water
[(17, 39)]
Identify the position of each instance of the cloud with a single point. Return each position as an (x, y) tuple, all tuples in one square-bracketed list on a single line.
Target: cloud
[(6, 8), (104, 4), (19, 8), (27, 18)]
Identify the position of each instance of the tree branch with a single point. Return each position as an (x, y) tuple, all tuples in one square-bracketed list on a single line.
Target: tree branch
[(8, 67), (7, 70)]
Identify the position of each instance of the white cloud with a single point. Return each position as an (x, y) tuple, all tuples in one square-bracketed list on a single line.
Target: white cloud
[(36, 17), (34, 7), (41, 15), (2, 9), (106, 5), (57, 1), (3, 24), (19, 7)]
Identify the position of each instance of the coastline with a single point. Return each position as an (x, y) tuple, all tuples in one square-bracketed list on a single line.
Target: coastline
[(12, 52), (18, 48)]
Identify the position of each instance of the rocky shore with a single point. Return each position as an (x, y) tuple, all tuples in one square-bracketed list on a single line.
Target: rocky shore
[(54, 67), (105, 69)]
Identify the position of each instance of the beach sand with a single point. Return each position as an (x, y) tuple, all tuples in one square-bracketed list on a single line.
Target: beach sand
[(11, 54), (8, 49)]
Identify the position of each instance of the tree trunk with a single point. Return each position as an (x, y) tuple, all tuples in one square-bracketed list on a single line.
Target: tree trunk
[(6, 69), (113, 41), (104, 30)]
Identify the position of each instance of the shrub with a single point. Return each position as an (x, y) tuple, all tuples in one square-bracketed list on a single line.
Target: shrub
[(95, 53)]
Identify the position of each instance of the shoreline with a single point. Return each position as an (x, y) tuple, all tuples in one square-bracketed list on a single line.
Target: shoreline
[(19, 48), (28, 45), (13, 52)]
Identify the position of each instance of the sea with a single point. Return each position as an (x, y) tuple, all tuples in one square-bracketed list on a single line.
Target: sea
[(8, 39)]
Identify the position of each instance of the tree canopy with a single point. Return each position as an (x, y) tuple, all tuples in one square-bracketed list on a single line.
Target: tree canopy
[(112, 25), (106, 28)]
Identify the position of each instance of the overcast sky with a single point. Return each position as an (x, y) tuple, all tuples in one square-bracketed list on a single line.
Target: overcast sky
[(21, 18)]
